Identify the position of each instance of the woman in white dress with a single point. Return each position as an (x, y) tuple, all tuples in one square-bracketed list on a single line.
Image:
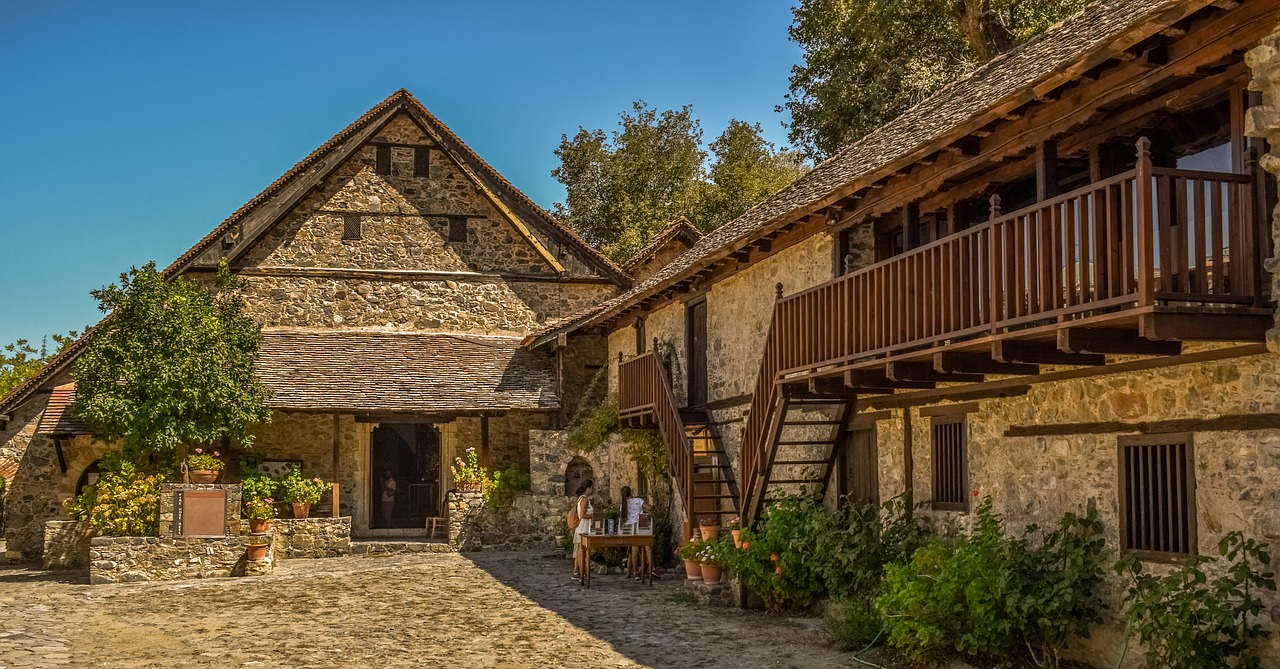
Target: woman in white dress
[(585, 511), (632, 507)]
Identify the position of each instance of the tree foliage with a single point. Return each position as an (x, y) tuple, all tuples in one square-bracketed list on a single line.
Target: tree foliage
[(623, 187), (173, 365), (20, 361), (867, 61)]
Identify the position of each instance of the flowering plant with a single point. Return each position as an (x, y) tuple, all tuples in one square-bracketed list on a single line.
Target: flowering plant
[(710, 553), (298, 489), (689, 551), (735, 523), (198, 460), (708, 521), (469, 470), (260, 508)]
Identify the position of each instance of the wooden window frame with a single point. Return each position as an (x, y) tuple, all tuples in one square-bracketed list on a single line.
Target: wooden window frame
[(1189, 513), (935, 421), (843, 483)]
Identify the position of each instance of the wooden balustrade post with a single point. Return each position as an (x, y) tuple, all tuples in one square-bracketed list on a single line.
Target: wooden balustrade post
[(1146, 226), (995, 262), (1255, 226)]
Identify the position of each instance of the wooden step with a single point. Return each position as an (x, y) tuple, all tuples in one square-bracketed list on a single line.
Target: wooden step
[(800, 462), (792, 481), (696, 496), (789, 423), (806, 443)]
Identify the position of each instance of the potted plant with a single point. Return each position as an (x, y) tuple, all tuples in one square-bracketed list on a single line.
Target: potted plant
[(710, 528), (260, 511), (689, 553), (256, 549), (709, 560), (735, 528), (302, 493), (203, 467), (468, 475)]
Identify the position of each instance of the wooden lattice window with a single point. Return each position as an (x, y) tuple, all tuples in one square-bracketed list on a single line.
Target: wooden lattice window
[(950, 464), (1157, 495), (421, 161), (457, 229), (350, 226)]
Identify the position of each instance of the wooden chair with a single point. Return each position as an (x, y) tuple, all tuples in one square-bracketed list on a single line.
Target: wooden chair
[(437, 525)]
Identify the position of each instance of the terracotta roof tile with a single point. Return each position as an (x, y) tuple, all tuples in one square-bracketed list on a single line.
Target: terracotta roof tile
[(57, 418), (420, 372), (679, 227)]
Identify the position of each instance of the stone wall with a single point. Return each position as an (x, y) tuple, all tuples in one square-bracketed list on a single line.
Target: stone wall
[(31, 498), (1264, 121), (66, 544), (140, 559), (311, 537), (528, 522)]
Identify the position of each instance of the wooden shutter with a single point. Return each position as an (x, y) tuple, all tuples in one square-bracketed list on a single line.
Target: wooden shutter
[(382, 163), (696, 340), (351, 226), (1157, 495), (421, 161), (860, 478), (950, 464)]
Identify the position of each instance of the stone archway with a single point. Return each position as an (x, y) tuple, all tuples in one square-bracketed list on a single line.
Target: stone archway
[(577, 471), (81, 452)]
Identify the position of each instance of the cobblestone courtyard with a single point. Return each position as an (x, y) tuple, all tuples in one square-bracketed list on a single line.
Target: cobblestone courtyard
[(422, 610)]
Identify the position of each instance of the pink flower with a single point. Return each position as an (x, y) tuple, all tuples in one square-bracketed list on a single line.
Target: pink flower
[(216, 454), (199, 451)]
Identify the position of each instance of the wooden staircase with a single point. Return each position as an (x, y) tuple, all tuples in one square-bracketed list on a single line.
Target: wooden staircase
[(700, 466)]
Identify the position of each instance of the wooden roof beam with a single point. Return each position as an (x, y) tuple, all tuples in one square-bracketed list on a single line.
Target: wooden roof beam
[(1041, 352), (1113, 340), (957, 362), (856, 380), (923, 371)]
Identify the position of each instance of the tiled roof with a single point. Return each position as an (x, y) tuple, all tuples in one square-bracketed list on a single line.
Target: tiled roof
[(680, 228), (403, 372), (57, 418), (953, 111)]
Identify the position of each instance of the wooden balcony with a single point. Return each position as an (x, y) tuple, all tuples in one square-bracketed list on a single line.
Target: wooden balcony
[(1131, 264)]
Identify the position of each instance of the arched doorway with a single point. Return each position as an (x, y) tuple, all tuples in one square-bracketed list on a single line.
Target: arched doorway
[(404, 466), (575, 473), (89, 476)]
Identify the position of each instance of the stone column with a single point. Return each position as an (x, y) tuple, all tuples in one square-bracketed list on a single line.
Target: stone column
[(465, 509), (1264, 121)]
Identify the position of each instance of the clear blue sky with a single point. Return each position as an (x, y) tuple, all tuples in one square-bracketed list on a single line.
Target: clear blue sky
[(130, 129)]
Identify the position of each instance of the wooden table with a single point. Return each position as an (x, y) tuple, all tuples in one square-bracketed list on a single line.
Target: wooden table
[(643, 541)]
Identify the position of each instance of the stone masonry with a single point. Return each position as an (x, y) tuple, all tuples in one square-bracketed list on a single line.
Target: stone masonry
[(136, 559), (1264, 121), (66, 544), (311, 537)]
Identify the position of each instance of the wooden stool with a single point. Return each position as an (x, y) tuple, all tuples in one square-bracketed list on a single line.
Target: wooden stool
[(437, 525)]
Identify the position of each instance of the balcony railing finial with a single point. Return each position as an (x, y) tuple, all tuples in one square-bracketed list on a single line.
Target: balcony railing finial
[(848, 263), (655, 344), (778, 290), (1144, 148), (995, 206)]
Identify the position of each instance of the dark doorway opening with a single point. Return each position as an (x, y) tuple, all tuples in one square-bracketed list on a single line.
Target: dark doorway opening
[(696, 339), (405, 466)]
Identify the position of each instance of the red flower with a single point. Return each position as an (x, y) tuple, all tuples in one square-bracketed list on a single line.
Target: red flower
[(974, 492)]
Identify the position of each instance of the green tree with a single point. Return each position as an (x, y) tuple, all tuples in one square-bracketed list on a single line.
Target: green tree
[(20, 361), (623, 187), (867, 61), (172, 365)]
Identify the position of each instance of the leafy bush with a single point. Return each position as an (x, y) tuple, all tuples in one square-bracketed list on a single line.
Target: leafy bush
[(859, 539), (258, 486), (779, 561), (506, 484), (468, 470), (298, 489), (991, 596), (592, 425), (1187, 620), (852, 624), (259, 508), (125, 502), (199, 460)]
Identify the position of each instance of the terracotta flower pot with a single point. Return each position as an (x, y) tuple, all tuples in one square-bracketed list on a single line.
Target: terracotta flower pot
[(469, 486), (737, 538), (693, 570), (710, 532), (203, 475), (259, 526), (710, 573), (301, 509), (256, 551)]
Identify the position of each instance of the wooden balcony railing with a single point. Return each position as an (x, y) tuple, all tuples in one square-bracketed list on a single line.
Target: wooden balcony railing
[(643, 389), (1146, 237)]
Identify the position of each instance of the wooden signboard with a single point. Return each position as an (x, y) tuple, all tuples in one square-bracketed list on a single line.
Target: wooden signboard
[(200, 513)]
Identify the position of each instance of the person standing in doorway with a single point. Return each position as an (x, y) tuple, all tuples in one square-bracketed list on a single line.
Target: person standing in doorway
[(388, 497)]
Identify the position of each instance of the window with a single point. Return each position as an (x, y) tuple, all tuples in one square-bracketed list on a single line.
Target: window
[(421, 161), (382, 163), (350, 226), (950, 464), (1157, 495), (457, 229), (860, 466)]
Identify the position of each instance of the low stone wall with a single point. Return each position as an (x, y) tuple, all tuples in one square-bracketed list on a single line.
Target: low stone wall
[(529, 521), (137, 559), (312, 537), (66, 544)]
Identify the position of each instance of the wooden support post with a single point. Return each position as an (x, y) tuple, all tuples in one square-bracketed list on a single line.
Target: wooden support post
[(484, 441), (337, 459), (911, 224), (1146, 226), (1046, 170), (337, 505)]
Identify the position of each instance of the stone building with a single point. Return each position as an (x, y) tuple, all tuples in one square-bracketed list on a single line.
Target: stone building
[(1045, 283), (395, 274)]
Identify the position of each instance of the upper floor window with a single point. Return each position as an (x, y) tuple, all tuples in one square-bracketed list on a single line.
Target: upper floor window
[(457, 229), (1157, 495)]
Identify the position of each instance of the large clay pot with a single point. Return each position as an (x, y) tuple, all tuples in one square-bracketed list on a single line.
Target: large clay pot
[(737, 538), (709, 532), (470, 486), (693, 570), (256, 551), (710, 573), (203, 475), (259, 526), (301, 509)]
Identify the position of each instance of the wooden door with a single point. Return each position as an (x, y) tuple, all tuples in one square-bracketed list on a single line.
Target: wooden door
[(860, 475), (696, 341)]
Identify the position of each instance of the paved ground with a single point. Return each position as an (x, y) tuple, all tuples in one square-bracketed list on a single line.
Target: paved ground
[(425, 610)]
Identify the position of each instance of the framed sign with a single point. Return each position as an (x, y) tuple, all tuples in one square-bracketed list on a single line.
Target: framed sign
[(200, 513)]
